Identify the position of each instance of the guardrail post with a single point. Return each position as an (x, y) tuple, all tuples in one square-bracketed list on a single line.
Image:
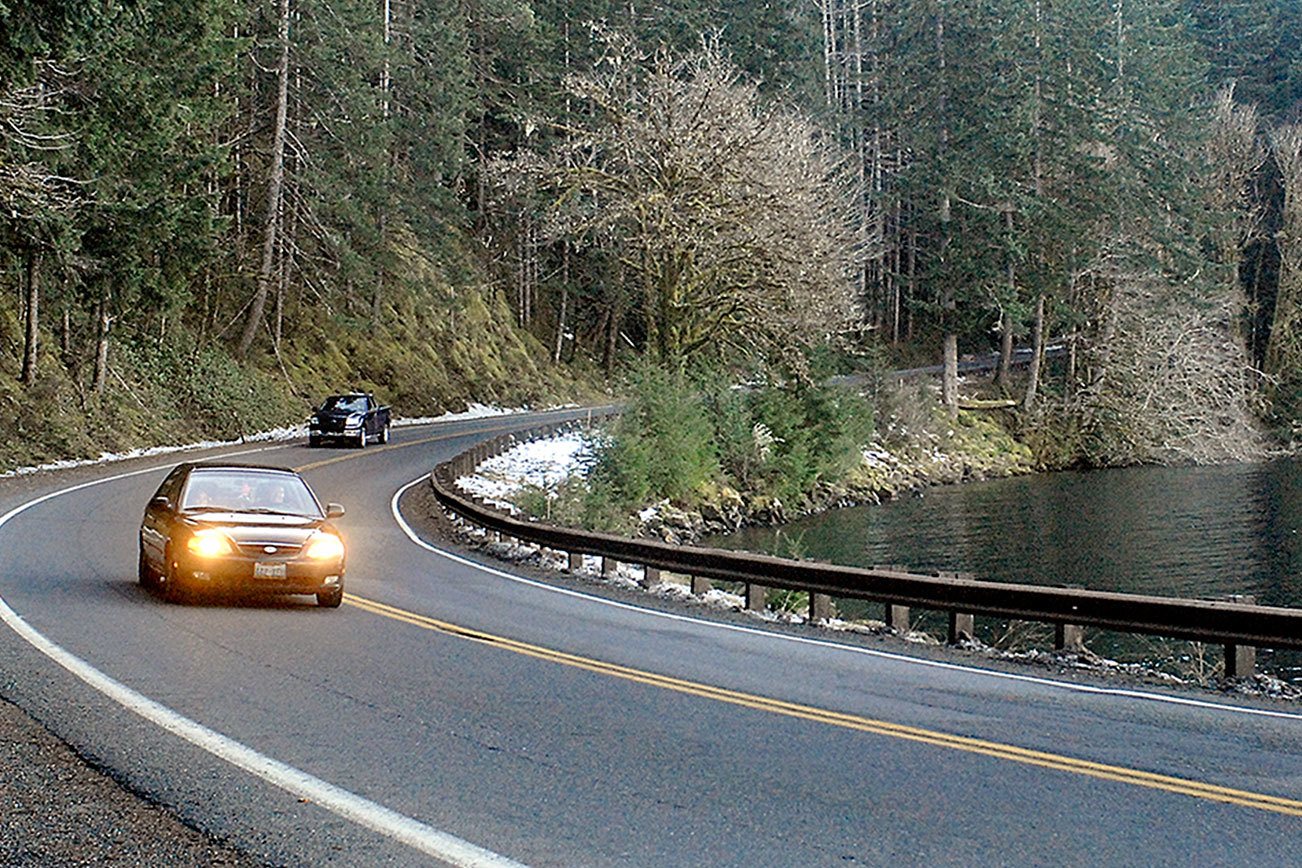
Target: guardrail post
[(576, 561), (962, 625), (1241, 660), (756, 597), (609, 566), (650, 576), (1068, 637), (701, 585), (897, 617), (820, 607)]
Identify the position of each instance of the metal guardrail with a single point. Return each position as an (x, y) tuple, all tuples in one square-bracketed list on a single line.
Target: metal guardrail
[(1239, 625)]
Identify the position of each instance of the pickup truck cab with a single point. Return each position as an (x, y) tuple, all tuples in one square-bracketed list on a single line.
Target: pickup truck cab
[(354, 418)]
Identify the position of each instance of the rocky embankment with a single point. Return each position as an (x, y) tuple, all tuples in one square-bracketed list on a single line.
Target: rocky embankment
[(901, 462)]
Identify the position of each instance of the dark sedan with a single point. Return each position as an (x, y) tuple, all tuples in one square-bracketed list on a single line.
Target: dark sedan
[(240, 528)]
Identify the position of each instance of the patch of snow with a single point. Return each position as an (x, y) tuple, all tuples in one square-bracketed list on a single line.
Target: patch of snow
[(645, 515), (472, 411), (723, 599), (541, 464)]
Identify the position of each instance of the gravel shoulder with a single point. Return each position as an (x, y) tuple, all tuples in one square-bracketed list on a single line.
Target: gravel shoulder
[(56, 809)]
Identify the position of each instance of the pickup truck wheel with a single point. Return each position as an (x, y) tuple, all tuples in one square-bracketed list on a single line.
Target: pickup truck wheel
[(313, 441), (361, 439), (384, 434)]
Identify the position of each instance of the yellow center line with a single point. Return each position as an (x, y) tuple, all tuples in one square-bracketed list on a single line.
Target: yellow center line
[(1102, 771)]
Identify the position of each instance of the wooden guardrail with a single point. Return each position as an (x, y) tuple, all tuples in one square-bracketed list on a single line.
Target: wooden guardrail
[(1237, 624)]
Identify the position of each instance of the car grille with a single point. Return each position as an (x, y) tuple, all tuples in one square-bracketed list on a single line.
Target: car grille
[(331, 426), (259, 550)]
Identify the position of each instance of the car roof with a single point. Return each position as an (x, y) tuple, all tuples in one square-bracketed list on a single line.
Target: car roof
[(227, 465)]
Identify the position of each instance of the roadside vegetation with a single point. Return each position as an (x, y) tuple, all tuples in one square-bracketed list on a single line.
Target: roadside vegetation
[(214, 211), (426, 357), (692, 455)]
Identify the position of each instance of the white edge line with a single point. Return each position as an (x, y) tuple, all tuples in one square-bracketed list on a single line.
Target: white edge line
[(337, 800), (854, 649)]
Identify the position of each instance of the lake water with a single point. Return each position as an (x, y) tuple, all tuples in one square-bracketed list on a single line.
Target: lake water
[(1204, 532)]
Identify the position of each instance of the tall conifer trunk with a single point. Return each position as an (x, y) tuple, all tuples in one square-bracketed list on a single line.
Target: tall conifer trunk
[(32, 302), (1037, 355), (104, 321), (270, 225), (949, 377), (1004, 374)]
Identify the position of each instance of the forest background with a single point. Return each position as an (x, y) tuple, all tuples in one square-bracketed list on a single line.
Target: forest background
[(216, 211)]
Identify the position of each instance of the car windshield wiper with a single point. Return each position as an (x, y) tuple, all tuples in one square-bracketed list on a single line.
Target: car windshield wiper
[(262, 510), (209, 508)]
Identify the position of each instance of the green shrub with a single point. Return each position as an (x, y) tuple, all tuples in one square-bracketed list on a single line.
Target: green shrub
[(679, 437), (661, 447), (817, 433)]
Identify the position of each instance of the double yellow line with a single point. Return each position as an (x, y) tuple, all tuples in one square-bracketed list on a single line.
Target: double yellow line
[(1012, 753), (1102, 771)]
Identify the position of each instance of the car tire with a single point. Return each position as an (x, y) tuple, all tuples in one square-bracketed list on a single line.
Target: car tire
[(361, 439), (145, 575), (172, 590), (384, 434), (313, 441), (330, 599)]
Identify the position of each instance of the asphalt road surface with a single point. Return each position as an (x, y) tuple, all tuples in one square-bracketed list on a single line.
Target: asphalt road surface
[(452, 712)]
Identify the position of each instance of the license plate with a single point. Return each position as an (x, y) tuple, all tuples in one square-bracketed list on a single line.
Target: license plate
[(268, 571)]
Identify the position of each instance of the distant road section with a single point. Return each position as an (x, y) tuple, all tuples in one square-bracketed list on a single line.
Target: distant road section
[(975, 364)]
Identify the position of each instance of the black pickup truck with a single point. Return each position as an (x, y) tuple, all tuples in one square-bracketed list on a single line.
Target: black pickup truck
[(354, 418)]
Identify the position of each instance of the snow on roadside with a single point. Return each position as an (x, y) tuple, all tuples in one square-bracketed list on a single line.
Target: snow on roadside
[(472, 411), (292, 432), (275, 434), (541, 464)]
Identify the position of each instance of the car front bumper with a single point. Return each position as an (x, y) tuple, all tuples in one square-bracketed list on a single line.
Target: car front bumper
[(238, 574), (338, 434)]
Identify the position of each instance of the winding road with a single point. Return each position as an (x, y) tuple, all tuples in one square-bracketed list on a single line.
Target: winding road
[(453, 712)]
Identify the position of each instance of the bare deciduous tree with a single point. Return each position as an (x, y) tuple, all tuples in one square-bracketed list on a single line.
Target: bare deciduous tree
[(1284, 348), (734, 220), (1172, 382)]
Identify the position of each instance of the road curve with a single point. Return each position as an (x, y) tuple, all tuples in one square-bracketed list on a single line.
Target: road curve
[(451, 712)]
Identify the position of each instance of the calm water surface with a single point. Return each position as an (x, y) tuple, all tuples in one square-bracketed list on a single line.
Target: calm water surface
[(1183, 532)]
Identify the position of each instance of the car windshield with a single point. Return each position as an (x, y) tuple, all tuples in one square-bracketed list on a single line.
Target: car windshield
[(248, 491), (344, 404)]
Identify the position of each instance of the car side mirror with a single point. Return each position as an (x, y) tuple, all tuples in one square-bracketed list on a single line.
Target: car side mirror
[(334, 510), (160, 502)]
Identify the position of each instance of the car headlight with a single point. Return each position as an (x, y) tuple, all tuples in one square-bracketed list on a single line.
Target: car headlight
[(316, 420), (353, 420), (210, 544), (323, 546)]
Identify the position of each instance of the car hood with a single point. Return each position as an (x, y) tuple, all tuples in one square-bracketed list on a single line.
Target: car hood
[(287, 530)]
